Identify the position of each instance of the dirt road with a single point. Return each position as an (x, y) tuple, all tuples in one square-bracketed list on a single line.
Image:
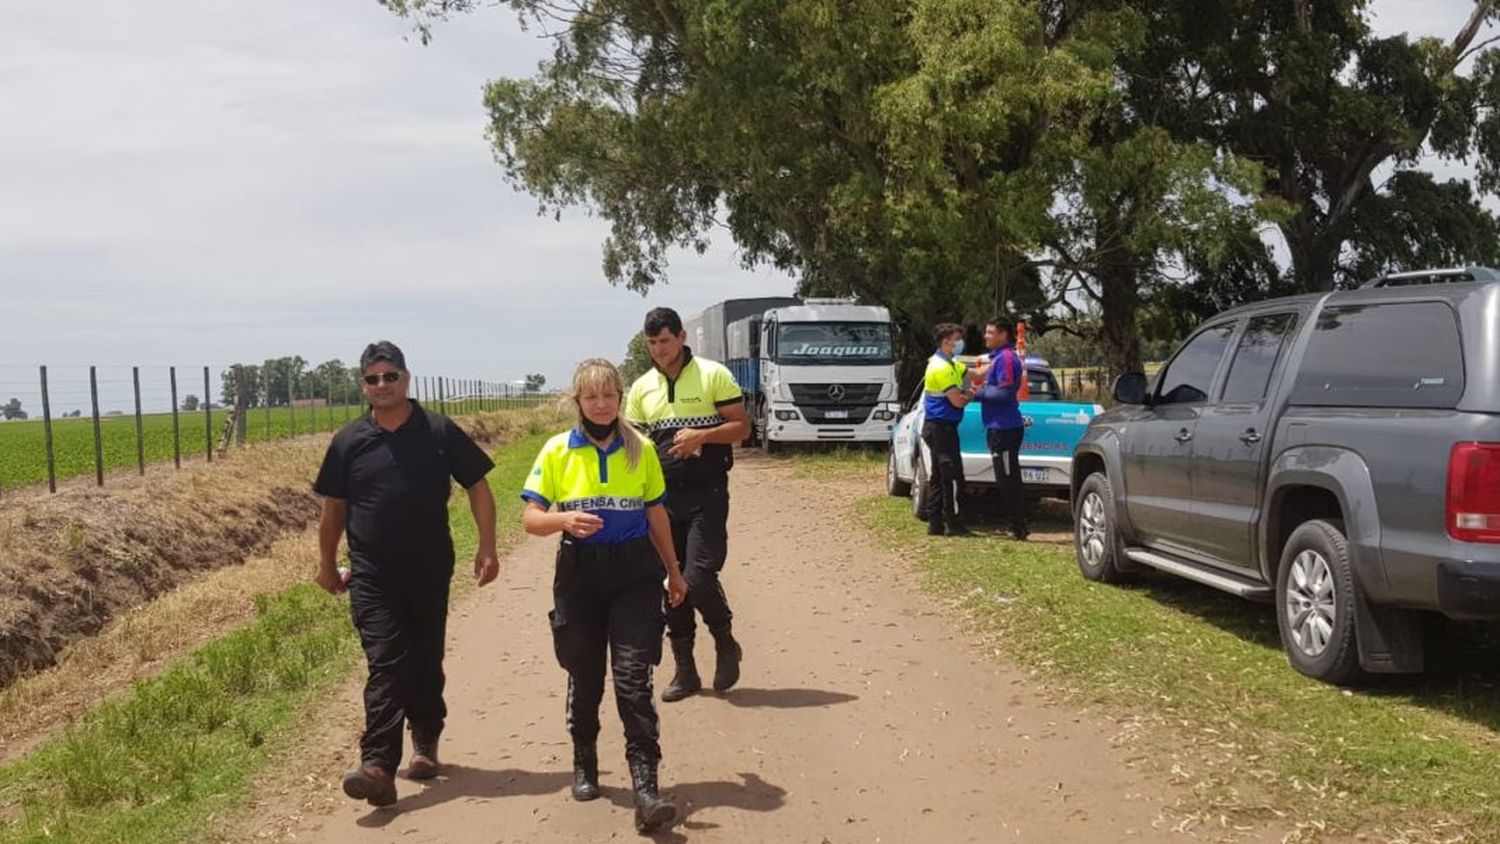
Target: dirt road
[(863, 715)]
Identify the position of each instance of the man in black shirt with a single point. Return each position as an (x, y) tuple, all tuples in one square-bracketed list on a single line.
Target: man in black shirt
[(386, 480)]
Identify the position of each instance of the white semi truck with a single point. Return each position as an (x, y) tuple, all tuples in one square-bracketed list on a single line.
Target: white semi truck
[(819, 370)]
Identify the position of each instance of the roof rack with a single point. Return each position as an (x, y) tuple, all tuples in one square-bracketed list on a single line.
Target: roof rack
[(1452, 275)]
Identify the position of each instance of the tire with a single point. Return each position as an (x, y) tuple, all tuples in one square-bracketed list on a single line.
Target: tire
[(893, 483), (1315, 606), (919, 487), (766, 445), (1096, 535)]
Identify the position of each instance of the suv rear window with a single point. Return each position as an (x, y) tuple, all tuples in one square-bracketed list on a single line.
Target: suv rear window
[(1396, 355), (1042, 386)]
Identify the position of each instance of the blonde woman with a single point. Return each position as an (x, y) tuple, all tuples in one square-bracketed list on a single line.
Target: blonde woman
[(600, 485)]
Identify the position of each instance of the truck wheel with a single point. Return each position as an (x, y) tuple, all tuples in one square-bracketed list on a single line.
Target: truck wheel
[(1315, 607), (919, 487), (768, 445), (1096, 537), (893, 483)]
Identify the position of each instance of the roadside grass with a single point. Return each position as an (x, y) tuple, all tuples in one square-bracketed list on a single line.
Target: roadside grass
[(829, 461), (159, 762), (1409, 759)]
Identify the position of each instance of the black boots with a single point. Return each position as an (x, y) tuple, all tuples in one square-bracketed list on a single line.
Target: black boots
[(686, 682), (652, 811), (726, 660), (585, 772), (424, 759)]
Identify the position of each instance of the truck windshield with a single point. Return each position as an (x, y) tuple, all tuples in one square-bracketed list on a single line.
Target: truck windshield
[(834, 343)]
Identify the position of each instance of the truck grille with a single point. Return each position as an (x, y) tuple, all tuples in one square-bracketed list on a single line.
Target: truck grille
[(819, 415), (830, 394)]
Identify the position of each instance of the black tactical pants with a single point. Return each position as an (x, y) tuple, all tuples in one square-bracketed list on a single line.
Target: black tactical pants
[(700, 532), (607, 600), (946, 475), (401, 623), (1005, 448)]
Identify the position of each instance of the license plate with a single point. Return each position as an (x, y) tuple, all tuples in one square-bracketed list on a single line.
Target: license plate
[(1033, 476), (837, 414)]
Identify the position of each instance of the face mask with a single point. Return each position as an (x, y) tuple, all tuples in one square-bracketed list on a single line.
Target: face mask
[(602, 433), (958, 348)]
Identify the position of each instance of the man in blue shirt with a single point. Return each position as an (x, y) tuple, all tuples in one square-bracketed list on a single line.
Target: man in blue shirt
[(1004, 426), (945, 394)]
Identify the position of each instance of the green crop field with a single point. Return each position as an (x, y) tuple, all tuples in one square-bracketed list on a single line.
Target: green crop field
[(23, 453)]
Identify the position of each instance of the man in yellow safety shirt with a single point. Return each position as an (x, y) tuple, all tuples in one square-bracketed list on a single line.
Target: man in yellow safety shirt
[(694, 412), (945, 393)]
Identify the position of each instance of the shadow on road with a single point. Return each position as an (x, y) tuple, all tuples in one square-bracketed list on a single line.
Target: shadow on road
[(459, 781), (751, 794), (785, 698)]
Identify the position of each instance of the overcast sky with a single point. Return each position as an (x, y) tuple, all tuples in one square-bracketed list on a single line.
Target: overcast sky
[(199, 183)]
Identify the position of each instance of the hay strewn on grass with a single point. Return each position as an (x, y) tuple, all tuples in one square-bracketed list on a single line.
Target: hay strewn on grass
[(75, 560)]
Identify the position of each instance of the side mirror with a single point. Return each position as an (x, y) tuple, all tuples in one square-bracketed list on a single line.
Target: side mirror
[(1130, 388)]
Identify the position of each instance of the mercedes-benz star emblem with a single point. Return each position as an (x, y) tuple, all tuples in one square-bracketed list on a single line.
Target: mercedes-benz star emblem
[(836, 392)]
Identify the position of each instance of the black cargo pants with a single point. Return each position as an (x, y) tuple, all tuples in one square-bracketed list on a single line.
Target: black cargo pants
[(946, 475), (402, 621), (700, 533), (1005, 448), (608, 598)]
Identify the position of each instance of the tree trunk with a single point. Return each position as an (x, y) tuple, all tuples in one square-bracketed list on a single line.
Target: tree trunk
[(1314, 261), (1120, 301)]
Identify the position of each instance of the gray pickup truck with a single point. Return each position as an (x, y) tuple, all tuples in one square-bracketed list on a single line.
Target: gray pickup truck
[(1337, 455)]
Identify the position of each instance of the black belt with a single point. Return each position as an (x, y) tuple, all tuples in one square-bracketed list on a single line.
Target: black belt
[(615, 549)]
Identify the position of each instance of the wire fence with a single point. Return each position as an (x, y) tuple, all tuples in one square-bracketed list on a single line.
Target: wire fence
[(58, 423)]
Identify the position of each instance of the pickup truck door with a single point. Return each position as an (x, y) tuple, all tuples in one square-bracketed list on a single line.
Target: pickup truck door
[(1156, 444), (1229, 445)]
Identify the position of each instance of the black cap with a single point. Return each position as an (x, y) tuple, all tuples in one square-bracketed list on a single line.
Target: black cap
[(382, 351)]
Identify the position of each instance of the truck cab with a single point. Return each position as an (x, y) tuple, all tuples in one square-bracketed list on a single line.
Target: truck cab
[(820, 371)]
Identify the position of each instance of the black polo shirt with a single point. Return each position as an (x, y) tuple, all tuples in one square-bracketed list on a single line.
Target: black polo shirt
[(397, 484)]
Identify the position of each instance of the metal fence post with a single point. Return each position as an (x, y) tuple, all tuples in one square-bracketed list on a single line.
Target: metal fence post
[(241, 406), (98, 435), (47, 430), (140, 431), (291, 401), (176, 423), (208, 417)]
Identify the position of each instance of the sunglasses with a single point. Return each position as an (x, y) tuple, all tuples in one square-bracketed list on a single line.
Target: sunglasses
[(387, 377)]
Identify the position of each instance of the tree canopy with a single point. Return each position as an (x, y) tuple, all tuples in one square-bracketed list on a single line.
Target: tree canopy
[(1102, 166)]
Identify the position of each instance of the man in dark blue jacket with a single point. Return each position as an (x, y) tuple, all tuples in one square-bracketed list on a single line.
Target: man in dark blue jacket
[(1004, 427)]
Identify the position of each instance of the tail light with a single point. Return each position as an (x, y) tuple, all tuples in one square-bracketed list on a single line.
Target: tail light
[(1474, 492)]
